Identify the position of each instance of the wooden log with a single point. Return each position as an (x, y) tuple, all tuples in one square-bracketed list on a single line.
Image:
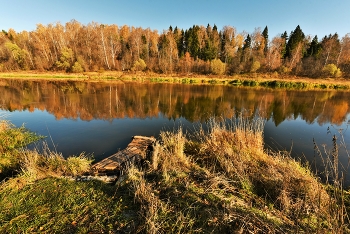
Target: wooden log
[(118, 162)]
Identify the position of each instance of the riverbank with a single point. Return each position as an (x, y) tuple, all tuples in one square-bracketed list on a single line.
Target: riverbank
[(273, 80), (210, 182)]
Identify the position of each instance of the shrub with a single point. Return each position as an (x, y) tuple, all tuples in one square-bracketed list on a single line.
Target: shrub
[(284, 70), (139, 65), (217, 67), (255, 66), (77, 68), (331, 70), (12, 139)]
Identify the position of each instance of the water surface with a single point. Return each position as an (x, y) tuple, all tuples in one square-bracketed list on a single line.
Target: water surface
[(99, 118)]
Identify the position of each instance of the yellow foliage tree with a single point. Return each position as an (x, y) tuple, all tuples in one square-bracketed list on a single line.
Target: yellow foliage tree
[(217, 67)]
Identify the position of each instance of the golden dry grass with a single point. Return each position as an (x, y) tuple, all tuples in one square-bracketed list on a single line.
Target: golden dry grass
[(35, 165), (226, 166)]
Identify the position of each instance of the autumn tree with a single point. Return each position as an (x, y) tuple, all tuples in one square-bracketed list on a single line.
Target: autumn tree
[(229, 43), (168, 52), (275, 53), (44, 59), (26, 43), (66, 59), (330, 48), (257, 50), (152, 63), (104, 46), (343, 59), (18, 54), (135, 41)]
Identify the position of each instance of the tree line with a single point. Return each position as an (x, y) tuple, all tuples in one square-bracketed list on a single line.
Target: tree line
[(74, 47)]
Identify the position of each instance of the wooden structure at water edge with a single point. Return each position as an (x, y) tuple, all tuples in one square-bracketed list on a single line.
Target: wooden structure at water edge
[(138, 149)]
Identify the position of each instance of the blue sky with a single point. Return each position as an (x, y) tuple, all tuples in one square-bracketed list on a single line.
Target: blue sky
[(315, 17)]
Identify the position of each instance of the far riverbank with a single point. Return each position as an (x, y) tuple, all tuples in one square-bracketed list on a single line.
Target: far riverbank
[(272, 80)]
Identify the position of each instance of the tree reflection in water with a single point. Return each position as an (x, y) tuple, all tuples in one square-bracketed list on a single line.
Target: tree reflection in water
[(100, 117)]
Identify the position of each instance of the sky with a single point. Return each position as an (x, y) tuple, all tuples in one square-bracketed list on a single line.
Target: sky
[(315, 17)]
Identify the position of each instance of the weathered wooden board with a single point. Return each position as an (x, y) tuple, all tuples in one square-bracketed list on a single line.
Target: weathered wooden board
[(134, 152)]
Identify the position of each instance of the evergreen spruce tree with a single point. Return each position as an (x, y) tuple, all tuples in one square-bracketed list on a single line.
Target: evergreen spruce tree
[(265, 34), (192, 41), (295, 37), (179, 38), (314, 48), (212, 44), (246, 49), (285, 37), (247, 43)]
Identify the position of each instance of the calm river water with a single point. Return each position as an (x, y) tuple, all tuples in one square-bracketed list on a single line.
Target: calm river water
[(99, 118)]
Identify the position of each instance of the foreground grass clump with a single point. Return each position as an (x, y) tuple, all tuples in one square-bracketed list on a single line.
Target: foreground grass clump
[(218, 180), (12, 139)]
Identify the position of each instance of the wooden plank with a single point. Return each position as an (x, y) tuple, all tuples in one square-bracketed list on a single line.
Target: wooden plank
[(134, 152)]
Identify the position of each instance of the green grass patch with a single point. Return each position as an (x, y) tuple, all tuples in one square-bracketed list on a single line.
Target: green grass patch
[(61, 206)]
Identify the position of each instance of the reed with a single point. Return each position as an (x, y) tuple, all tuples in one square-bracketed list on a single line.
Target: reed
[(338, 206)]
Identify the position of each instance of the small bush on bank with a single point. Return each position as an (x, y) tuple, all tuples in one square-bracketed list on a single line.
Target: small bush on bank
[(77, 68), (331, 70), (139, 65), (217, 67)]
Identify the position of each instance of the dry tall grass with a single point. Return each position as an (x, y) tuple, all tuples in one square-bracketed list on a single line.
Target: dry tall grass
[(35, 165), (230, 183)]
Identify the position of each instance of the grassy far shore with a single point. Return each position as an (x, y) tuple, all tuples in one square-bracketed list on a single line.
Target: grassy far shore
[(220, 181), (273, 80)]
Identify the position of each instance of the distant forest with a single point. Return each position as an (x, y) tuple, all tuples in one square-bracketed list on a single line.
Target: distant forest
[(74, 47)]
